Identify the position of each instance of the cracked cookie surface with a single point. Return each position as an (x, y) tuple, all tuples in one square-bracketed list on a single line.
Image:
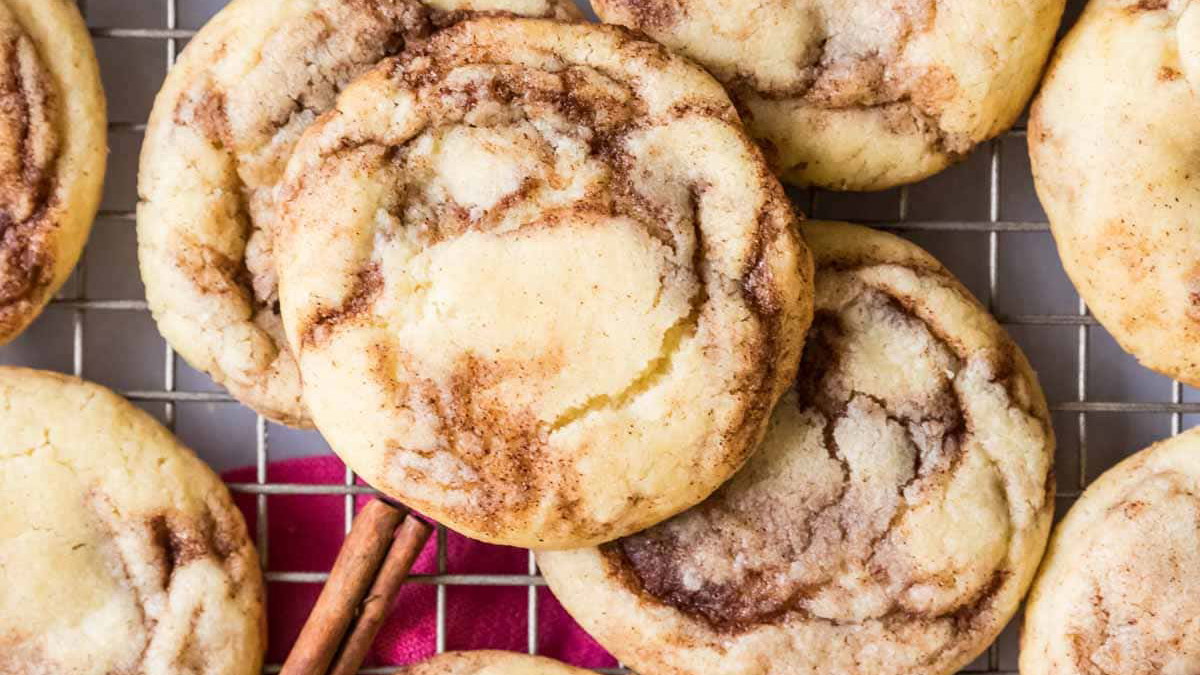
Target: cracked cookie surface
[(491, 662), (541, 284), (52, 153), (1118, 592), (248, 85), (1113, 143), (861, 94), (890, 521), (120, 552)]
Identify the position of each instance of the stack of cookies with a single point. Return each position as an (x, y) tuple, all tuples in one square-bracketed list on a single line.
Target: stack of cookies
[(539, 280), (533, 278)]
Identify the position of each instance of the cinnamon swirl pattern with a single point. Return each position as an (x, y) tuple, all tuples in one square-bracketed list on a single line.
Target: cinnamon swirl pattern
[(1112, 144), (489, 662), (219, 138), (1118, 592), (889, 523), (52, 153), (861, 94), (120, 551), (540, 284)]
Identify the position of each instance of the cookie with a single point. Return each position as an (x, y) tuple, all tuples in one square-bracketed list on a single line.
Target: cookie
[(490, 662), (541, 285), (892, 518), (53, 143), (1110, 140), (222, 129), (120, 552), (1118, 591), (861, 94)]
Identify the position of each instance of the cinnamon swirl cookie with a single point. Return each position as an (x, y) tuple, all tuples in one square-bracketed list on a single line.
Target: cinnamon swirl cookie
[(892, 518), (1114, 139), (541, 285), (52, 153), (120, 552), (489, 662), (1118, 592), (861, 94), (220, 135)]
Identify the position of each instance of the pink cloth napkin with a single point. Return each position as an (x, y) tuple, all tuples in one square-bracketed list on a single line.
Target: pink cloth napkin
[(305, 532)]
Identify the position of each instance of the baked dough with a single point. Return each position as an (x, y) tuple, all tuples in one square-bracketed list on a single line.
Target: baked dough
[(120, 552), (490, 662), (861, 94), (890, 522), (221, 132), (1118, 592), (541, 285), (1114, 140), (52, 153)]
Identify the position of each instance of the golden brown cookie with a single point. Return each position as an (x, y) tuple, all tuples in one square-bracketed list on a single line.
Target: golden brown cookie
[(120, 552), (490, 662), (861, 94), (540, 283), (222, 130), (52, 152), (892, 518), (1113, 139), (1118, 592)]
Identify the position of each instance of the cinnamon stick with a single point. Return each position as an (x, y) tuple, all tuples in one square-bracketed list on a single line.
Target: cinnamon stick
[(407, 545), (352, 575)]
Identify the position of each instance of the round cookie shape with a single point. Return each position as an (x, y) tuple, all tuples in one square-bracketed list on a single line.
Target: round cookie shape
[(892, 518), (1118, 592), (53, 148), (120, 551), (223, 126), (491, 662), (861, 94), (541, 285), (1113, 141)]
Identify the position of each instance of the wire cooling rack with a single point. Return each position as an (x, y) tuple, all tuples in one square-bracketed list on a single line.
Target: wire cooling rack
[(981, 218)]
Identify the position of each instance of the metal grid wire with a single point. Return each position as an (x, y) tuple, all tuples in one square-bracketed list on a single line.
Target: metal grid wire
[(261, 488)]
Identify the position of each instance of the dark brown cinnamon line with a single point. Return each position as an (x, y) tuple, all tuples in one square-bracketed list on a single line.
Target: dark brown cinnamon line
[(409, 542), (352, 575)]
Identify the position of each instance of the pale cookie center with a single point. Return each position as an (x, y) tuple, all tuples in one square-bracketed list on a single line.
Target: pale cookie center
[(569, 311), (771, 42), (552, 307), (479, 167), (863, 502)]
